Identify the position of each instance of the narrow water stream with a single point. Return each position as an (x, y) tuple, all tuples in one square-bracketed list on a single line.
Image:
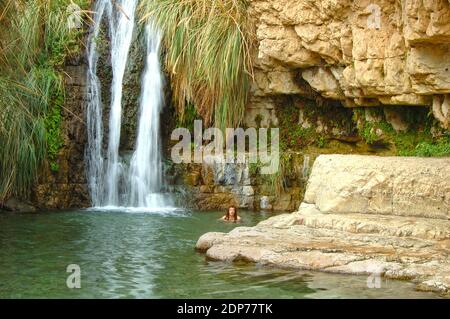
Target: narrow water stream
[(151, 255)]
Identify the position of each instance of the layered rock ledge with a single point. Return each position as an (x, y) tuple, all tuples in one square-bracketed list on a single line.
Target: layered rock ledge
[(361, 53), (361, 215)]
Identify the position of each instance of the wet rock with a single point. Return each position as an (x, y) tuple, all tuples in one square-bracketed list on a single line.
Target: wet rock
[(17, 206), (66, 186)]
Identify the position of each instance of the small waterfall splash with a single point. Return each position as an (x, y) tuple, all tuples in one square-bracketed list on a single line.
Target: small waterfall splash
[(111, 183)]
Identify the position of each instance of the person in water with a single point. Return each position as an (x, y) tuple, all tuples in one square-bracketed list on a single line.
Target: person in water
[(231, 215)]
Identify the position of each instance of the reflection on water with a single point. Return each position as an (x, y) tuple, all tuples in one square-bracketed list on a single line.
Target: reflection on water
[(151, 255)]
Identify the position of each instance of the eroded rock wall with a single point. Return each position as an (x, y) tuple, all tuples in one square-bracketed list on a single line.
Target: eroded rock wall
[(66, 187), (216, 184), (361, 53)]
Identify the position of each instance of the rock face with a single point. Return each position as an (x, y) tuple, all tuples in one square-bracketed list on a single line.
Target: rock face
[(66, 187), (362, 53), (381, 185), (387, 231), (216, 184), (17, 206)]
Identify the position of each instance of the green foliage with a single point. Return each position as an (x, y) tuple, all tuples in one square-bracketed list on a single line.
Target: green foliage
[(34, 43), (321, 142), (208, 55), (293, 135), (53, 129), (277, 180), (440, 147), (253, 168), (368, 133), (188, 117), (416, 141)]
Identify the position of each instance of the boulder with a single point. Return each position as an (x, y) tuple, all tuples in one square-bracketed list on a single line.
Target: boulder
[(404, 186), (17, 206), (361, 215)]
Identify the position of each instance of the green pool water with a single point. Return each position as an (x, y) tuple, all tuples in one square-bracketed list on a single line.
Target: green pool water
[(151, 255)]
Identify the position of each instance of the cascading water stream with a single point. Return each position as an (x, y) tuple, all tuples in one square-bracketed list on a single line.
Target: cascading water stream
[(114, 184), (94, 157), (145, 175), (121, 26)]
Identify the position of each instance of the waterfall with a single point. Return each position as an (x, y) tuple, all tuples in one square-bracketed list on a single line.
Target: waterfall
[(145, 175), (94, 157), (111, 182), (121, 26)]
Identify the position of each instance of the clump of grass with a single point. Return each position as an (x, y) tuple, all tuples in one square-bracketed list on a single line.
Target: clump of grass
[(209, 45), (34, 43)]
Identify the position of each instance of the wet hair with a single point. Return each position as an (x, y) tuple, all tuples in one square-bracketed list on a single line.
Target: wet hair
[(227, 215)]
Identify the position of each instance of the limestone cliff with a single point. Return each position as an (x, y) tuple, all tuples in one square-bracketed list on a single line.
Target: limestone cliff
[(361, 53)]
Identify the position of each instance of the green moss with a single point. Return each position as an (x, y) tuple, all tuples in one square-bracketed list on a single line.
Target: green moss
[(417, 140), (321, 142), (368, 133), (54, 138), (276, 182), (254, 168), (292, 135)]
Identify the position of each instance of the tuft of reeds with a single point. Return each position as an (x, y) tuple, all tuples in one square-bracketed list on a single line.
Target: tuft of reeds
[(34, 43), (208, 55)]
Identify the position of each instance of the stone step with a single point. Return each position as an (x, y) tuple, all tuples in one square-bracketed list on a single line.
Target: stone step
[(386, 225)]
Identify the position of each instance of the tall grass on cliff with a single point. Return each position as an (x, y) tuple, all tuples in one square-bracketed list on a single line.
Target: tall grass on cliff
[(208, 55), (34, 42)]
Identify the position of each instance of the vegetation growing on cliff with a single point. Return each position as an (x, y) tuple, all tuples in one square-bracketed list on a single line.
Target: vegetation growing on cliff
[(208, 55), (35, 40), (305, 123), (422, 137)]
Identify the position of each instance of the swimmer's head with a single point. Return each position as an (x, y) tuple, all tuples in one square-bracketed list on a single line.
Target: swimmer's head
[(232, 213)]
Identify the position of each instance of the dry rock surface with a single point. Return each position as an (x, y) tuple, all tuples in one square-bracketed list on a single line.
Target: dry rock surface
[(362, 53), (330, 234)]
